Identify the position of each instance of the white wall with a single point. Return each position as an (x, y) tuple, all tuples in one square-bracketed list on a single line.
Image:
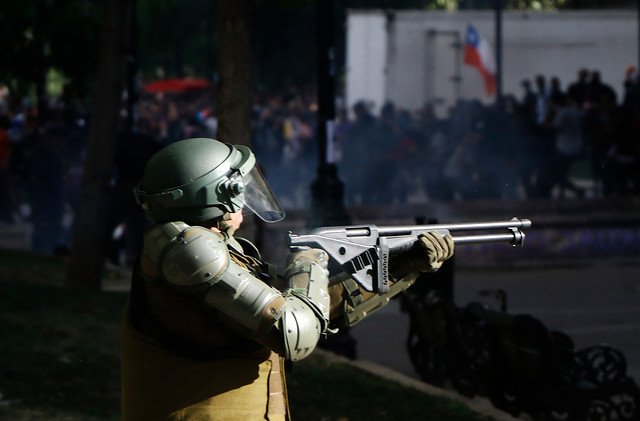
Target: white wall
[(548, 43), (366, 50)]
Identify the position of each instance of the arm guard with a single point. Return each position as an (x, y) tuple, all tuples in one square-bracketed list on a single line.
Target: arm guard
[(306, 313), (197, 260), (351, 303)]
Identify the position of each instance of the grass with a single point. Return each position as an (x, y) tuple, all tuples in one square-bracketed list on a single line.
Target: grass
[(320, 390), (59, 359), (23, 267), (59, 350)]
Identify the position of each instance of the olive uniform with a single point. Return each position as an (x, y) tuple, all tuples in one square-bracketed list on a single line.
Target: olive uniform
[(208, 322)]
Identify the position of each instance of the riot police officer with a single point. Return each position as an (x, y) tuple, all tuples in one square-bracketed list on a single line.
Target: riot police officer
[(206, 329)]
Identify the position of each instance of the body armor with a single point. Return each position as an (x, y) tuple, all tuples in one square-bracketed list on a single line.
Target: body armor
[(210, 269)]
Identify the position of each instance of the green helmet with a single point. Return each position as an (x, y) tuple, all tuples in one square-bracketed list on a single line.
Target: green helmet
[(200, 179)]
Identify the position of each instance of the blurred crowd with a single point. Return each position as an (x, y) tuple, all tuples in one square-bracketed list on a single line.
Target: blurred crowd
[(534, 146), (527, 146)]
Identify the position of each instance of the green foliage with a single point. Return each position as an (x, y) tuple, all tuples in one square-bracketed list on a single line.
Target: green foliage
[(178, 37), (537, 4), (36, 35), (283, 43), (509, 4), (443, 4), (175, 38)]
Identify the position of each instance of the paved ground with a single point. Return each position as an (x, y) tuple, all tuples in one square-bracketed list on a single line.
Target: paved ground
[(594, 301), (578, 272)]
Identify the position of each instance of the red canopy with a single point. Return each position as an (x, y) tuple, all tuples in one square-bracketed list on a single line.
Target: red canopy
[(177, 85)]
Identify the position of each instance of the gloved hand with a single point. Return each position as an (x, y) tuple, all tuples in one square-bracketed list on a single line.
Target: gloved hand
[(436, 249)]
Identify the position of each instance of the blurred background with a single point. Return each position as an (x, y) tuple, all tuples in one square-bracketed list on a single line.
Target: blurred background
[(359, 111), (548, 109)]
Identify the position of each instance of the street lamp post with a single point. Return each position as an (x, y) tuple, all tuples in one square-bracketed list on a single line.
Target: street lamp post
[(327, 190)]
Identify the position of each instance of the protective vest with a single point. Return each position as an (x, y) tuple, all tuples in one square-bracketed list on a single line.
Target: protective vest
[(180, 363)]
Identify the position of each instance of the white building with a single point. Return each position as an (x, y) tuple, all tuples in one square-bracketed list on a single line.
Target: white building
[(413, 57)]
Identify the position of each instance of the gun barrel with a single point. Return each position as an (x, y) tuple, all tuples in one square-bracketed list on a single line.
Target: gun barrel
[(473, 226), (516, 238)]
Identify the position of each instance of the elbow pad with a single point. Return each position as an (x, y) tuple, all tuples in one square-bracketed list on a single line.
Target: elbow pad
[(305, 315), (301, 328)]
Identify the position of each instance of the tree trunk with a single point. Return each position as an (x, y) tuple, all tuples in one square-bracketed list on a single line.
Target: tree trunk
[(87, 258), (234, 85), (234, 63)]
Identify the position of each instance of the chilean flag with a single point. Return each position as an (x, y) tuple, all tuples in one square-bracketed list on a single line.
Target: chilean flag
[(477, 53)]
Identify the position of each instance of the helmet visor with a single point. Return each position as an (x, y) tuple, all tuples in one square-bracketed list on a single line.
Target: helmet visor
[(260, 199)]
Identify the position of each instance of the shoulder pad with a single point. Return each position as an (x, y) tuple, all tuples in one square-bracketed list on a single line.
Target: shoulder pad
[(196, 256), (158, 237)]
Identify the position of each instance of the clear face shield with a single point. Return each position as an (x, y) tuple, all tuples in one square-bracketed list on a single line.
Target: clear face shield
[(259, 198)]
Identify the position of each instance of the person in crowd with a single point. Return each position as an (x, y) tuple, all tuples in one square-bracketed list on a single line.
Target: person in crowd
[(542, 101), (567, 124), (527, 157), (623, 156), (500, 150), (267, 134), (133, 150), (397, 136), (46, 185), (208, 322), (529, 97), (297, 159), (555, 87), (433, 149), (631, 101), (6, 204), (461, 171), (543, 139), (363, 131), (577, 90), (599, 108), (600, 93), (387, 150), (622, 161)]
